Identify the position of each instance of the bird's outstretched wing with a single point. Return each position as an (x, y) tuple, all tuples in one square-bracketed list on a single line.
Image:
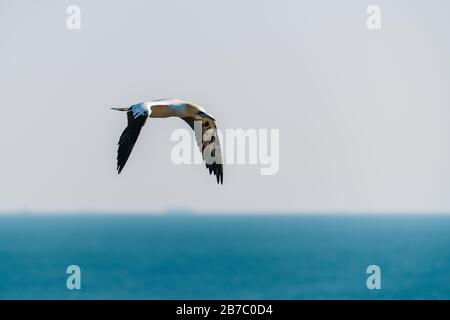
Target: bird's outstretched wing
[(129, 136), (209, 144)]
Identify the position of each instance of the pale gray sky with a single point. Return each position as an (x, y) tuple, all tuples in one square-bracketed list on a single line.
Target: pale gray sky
[(363, 115)]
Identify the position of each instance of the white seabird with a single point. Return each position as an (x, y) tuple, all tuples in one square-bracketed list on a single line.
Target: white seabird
[(207, 138)]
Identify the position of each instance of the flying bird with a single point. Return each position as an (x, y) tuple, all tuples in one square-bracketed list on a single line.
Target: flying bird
[(192, 114)]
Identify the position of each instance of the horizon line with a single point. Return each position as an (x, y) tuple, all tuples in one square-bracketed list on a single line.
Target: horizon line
[(191, 212)]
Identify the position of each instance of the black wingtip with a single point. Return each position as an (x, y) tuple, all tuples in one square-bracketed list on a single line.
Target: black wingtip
[(218, 172)]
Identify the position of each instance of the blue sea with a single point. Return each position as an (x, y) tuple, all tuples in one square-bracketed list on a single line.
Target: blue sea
[(224, 257)]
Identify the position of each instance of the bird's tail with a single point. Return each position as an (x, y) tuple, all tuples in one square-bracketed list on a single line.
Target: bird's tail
[(120, 109)]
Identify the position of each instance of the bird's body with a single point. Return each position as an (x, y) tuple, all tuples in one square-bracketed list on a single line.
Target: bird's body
[(206, 138)]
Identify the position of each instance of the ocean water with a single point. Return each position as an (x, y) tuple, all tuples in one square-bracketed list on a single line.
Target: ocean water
[(224, 257)]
